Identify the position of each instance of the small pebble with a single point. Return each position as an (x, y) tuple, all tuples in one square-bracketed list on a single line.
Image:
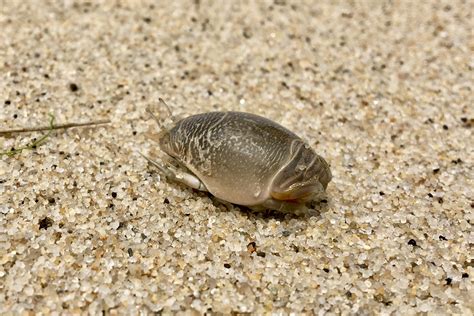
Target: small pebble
[(252, 247), (73, 87), (45, 223)]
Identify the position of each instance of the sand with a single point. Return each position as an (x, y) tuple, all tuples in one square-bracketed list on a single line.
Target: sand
[(381, 89)]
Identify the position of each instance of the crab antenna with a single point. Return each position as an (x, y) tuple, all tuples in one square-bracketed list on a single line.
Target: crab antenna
[(149, 111), (166, 106)]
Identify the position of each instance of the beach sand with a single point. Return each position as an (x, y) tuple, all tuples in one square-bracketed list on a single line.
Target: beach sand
[(381, 89)]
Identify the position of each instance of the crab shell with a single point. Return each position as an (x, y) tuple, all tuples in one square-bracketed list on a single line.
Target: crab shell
[(247, 159)]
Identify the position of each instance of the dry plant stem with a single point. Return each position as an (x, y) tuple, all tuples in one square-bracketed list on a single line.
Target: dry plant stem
[(59, 126)]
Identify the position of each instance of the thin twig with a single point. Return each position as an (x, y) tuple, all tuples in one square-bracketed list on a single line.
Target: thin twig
[(34, 144), (49, 128), (42, 139)]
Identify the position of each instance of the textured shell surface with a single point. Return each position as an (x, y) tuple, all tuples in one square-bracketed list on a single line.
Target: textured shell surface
[(236, 155)]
